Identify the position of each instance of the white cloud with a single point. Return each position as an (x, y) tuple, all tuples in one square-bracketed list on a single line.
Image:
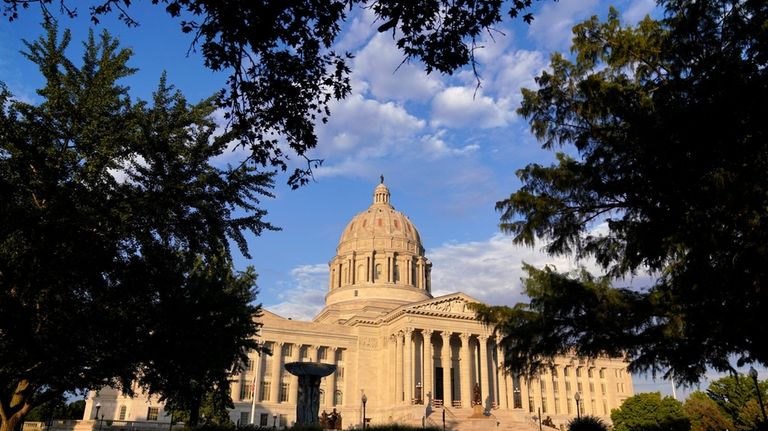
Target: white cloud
[(304, 295), (436, 146), (457, 107), (638, 9), (379, 69), (552, 25), (487, 270), (360, 28)]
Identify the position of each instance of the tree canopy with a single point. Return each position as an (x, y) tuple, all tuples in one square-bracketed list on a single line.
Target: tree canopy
[(650, 412), (282, 69), (112, 213), (663, 174)]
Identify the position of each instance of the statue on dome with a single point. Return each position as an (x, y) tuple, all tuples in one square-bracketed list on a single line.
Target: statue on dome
[(382, 178)]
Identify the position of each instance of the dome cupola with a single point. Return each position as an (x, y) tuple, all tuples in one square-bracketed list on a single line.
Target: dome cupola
[(379, 262)]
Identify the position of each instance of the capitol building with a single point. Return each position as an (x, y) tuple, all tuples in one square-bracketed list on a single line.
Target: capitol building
[(416, 359)]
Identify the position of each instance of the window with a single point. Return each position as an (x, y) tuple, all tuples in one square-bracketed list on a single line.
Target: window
[(283, 421), (152, 413), (605, 407), (554, 386), (543, 387), (264, 419), (284, 387), (589, 373), (340, 355), (288, 350), (570, 407), (591, 387), (531, 409), (396, 272), (557, 405), (580, 387), (244, 418), (340, 373), (543, 404), (566, 371), (578, 372), (251, 364), (338, 398), (568, 388), (322, 353), (602, 373), (264, 391), (121, 416), (377, 274), (602, 388), (246, 391)]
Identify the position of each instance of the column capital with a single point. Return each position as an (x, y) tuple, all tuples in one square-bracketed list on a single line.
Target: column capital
[(483, 337), (446, 335), (407, 330), (427, 332), (464, 336)]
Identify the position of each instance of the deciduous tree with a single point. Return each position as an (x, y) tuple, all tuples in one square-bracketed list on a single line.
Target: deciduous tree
[(664, 175), (650, 412), (284, 71)]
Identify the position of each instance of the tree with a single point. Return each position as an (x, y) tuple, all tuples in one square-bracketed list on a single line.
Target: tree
[(57, 408), (705, 414), (737, 398), (650, 412), (106, 206), (284, 72), (587, 423), (664, 175)]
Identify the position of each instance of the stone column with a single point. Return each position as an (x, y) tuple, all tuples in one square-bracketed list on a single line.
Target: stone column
[(505, 386), (399, 368), (485, 386), (429, 365), (330, 387), (293, 382), (237, 385), (313, 353), (466, 375), (446, 362), (408, 365), (277, 368)]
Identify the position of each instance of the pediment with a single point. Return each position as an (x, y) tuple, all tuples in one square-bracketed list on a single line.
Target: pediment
[(451, 305)]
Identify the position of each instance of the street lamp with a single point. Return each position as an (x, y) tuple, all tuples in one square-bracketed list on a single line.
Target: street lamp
[(98, 407), (577, 397), (418, 393), (274, 421), (753, 374), (364, 399)]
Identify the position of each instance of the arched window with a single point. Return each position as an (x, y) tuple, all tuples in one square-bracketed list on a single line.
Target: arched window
[(377, 274), (338, 398), (396, 272)]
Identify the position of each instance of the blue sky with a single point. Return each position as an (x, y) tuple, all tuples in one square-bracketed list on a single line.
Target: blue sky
[(447, 153)]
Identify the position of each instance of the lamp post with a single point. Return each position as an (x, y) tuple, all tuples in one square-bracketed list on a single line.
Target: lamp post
[(577, 397), (753, 374), (418, 392), (364, 399), (98, 407), (274, 421)]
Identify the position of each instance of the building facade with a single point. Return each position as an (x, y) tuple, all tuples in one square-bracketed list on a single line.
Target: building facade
[(415, 357)]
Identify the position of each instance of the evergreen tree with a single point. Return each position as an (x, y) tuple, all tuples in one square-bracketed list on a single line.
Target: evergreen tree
[(110, 210)]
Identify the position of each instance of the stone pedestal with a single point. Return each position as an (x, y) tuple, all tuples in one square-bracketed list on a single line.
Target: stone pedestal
[(477, 412), (308, 403)]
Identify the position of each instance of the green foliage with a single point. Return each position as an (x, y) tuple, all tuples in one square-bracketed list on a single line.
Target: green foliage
[(664, 174), (284, 73), (737, 399), (705, 414), (650, 412), (112, 214), (57, 408), (587, 423)]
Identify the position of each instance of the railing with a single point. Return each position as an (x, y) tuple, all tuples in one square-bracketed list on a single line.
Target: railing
[(438, 404), (456, 403)]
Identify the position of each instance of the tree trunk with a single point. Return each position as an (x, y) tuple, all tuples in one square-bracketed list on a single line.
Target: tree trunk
[(12, 422), (194, 412)]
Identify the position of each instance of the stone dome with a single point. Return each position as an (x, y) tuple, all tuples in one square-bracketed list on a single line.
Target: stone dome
[(379, 263), (381, 221)]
